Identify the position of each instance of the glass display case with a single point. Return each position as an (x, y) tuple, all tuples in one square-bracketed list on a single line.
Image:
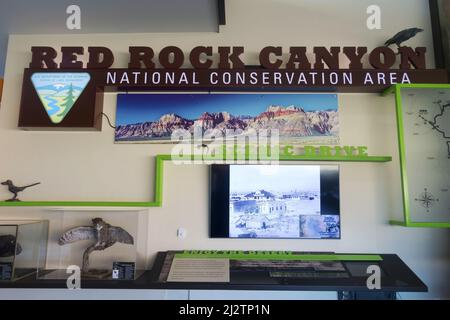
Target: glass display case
[(23, 248), (103, 245)]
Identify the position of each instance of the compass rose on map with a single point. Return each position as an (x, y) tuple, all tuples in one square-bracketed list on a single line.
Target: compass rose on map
[(426, 199)]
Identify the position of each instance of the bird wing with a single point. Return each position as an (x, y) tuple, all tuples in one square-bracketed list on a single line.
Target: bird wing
[(120, 235), (389, 42), (393, 39), (76, 234), (401, 36)]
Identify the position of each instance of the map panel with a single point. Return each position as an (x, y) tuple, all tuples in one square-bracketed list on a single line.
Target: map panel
[(426, 134)]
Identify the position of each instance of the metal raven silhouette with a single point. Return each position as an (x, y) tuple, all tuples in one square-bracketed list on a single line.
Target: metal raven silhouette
[(402, 36), (103, 233)]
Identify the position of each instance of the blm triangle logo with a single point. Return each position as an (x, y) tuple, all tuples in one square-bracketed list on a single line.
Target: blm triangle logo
[(59, 91)]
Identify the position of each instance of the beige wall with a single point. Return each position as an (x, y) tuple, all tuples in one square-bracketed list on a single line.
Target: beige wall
[(89, 166)]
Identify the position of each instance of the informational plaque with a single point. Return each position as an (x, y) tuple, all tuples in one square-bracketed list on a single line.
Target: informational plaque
[(199, 270), (123, 270)]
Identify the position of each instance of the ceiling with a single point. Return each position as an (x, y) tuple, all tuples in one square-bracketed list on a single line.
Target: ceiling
[(112, 16), (105, 16)]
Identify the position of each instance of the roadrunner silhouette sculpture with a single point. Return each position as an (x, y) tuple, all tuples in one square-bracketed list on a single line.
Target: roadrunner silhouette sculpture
[(15, 190), (104, 235)]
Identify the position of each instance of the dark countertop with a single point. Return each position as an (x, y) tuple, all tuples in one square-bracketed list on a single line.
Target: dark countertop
[(396, 277)]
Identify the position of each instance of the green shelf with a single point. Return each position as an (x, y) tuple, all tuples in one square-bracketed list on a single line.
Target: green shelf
[(271, 255), (420, 224), (159, 171)]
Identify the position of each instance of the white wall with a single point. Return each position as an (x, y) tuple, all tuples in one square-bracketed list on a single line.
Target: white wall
[(88, 166)]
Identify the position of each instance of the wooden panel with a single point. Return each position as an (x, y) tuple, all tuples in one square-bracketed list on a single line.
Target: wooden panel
[(1, 88), (84, 115)]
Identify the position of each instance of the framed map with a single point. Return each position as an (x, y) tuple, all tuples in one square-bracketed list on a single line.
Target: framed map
[(423, 118)]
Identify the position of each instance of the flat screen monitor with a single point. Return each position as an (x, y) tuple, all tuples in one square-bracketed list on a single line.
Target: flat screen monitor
[(275, 201)]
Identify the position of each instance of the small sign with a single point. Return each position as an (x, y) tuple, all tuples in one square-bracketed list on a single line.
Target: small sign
[(58, 91), (123, 270), (69, 94), (6, 270)]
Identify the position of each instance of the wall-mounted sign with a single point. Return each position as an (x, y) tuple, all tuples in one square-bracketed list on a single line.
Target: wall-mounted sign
[(200, 57), (1, 88), (59, 91), (220, 68), (423, 116)]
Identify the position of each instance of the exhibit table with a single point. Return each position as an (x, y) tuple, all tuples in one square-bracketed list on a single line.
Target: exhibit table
[(396, 277)]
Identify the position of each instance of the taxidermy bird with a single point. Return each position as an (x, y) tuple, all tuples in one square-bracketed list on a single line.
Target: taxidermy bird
[(15, 190), (402, 36), (8, 246), (103, 233)]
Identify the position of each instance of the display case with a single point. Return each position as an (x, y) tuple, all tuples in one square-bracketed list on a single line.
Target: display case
[(423, 122), (101, 244), (23, 248)]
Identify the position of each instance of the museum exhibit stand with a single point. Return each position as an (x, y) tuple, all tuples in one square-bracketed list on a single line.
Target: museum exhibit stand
[(289, 157), (284, 164), (108, 240), (350, 284), (67, 243)]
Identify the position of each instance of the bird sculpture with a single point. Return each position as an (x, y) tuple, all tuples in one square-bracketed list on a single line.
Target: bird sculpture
[(104, 235), (8, 246), (15, 190), (402, 36)]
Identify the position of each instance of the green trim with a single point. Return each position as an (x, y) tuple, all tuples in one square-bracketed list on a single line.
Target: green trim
[(159, 179), (78, 204), (274, 255), (397, 223), (421, 224), (388, 91), (401, 146), (292, 158), (159, 175), (423, 86), (338, 158), (392, 89)]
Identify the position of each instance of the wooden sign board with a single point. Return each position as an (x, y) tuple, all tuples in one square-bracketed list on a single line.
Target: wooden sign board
[(69, 95), (1, 88)]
